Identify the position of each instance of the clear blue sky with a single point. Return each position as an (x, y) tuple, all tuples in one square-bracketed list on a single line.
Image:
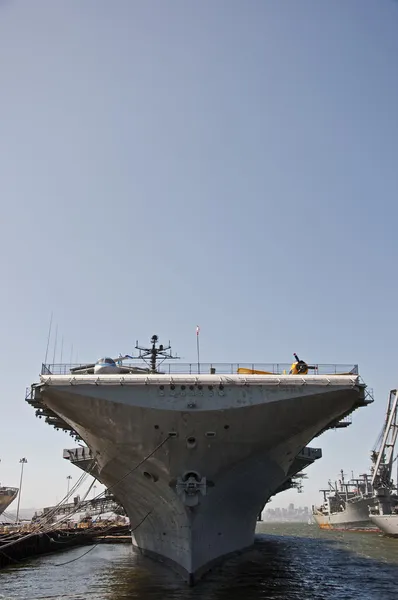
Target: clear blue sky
[(165, 164)]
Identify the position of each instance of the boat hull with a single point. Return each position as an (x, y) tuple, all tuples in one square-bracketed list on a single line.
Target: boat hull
[(194, 463), (7, 496), (388, 524), (355, 517)]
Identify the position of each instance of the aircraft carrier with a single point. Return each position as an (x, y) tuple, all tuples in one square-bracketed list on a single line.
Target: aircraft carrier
[(194, 452)]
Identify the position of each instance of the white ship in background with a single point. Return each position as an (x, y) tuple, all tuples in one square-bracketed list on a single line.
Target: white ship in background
[(194, 452), (385, 513), (346, 505), (7, 495), (369, 502)]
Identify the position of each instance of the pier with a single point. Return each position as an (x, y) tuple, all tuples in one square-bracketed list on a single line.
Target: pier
[(96, 506), (18, 546)]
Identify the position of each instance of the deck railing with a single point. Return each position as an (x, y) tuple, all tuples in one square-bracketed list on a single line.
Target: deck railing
[(8, 491), (170, 368)]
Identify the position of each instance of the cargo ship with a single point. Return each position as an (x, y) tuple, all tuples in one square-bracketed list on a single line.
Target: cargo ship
[(366, 503), (346, 505)]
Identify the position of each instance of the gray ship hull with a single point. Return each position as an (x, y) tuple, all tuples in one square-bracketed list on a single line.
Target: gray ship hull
[(7, 495), (354, 517), (194, 467), (388, 524)]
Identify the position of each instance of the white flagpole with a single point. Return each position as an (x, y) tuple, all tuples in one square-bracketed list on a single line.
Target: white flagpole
[(197, 346)]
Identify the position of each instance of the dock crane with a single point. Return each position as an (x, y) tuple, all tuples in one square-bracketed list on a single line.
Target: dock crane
[(383, 457)]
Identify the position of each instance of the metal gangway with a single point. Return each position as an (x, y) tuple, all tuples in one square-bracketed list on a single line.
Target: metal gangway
[(90, 508)]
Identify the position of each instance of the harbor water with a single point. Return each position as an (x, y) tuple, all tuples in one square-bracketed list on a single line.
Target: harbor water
[(290, 561)]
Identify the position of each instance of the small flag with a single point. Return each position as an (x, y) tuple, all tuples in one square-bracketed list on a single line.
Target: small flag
[(197, 329)]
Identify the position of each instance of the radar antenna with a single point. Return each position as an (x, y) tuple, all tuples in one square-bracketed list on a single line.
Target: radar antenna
[(155, 355)]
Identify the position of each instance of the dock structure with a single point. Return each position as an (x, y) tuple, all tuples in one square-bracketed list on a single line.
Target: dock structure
[(96, 506), (24, 546)]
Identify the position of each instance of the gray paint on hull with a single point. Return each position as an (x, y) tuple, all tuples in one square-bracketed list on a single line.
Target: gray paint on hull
[(246, 463), (191, 578), (6, 500)]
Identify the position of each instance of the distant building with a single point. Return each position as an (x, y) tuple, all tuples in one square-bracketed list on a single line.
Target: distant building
[(287, 514)]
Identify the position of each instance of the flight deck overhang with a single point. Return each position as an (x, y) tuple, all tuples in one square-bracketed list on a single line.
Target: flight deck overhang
[(205, 379), (35, 398)]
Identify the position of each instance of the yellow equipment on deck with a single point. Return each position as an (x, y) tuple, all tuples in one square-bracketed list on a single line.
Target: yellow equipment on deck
[(299, 367), (243, 371)]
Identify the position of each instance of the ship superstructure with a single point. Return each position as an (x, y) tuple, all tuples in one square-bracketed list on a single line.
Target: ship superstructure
[(194, 452)]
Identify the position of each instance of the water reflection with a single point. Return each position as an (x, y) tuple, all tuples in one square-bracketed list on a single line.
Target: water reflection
[(306, 565)]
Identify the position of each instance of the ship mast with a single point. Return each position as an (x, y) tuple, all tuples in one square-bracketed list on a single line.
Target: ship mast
[(154, 355)]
